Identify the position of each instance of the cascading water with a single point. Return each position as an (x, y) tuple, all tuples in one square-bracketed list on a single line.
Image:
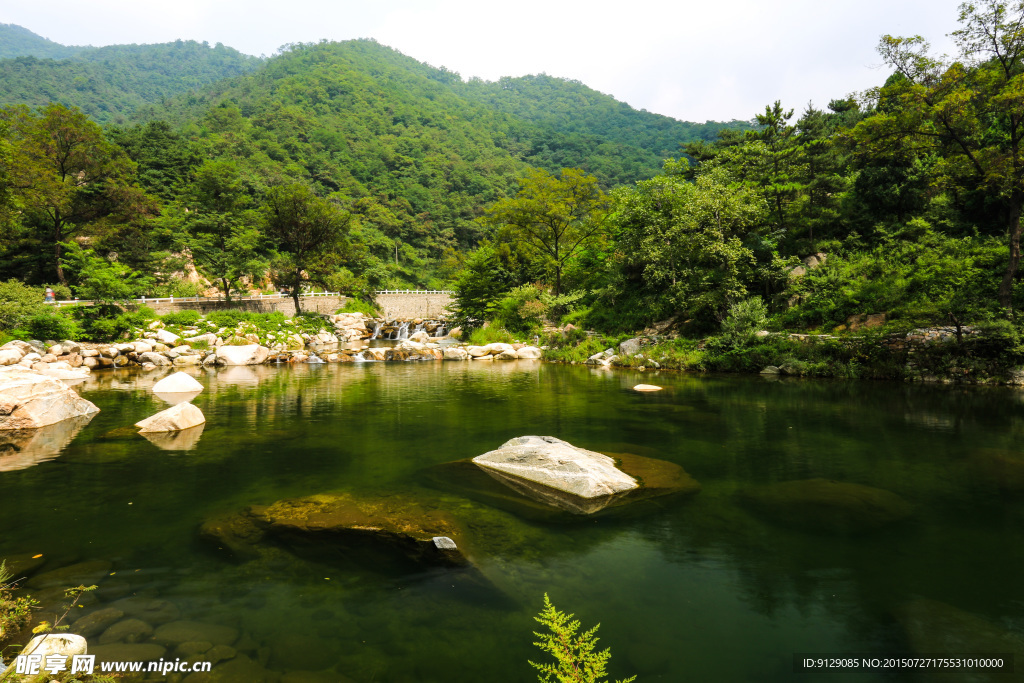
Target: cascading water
[(376, 330), (403, 331), (440, 331)]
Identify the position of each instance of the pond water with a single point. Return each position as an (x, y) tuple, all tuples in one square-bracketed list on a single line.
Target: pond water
[(697, 588)]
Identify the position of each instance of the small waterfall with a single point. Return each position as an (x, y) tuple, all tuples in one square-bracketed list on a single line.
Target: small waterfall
[(376, 330), (440, 331), (418, 328), (360, 357), (403, 331)]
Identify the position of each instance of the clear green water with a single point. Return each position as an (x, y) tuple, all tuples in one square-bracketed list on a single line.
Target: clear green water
[(690, 590)]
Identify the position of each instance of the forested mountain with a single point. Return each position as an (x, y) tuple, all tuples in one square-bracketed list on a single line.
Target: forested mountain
[(109, 83), (17, 41), (581, 127)]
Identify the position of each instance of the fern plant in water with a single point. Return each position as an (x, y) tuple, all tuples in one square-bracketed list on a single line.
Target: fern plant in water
[(576, 660)]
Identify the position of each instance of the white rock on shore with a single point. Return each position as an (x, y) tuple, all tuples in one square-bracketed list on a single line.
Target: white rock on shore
[(30, 399), (251, 354)]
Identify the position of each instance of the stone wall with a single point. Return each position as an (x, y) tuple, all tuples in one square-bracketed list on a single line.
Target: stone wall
[(316, 304), (411, 305)]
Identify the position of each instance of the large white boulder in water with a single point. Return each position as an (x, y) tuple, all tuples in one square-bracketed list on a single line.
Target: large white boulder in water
[(250, 354), (30, 399), (179, 382), (64, 645), (176, 418), (552, 462)]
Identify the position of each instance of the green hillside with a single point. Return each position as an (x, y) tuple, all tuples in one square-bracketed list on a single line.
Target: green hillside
[(109, 83), (17, 41), (582, 127)]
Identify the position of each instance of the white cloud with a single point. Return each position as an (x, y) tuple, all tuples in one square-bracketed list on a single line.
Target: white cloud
[(691, 60)]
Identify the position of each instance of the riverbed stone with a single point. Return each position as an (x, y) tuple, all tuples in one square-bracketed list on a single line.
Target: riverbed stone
[(176, 632), (87, 573), (179, 382), (557, 464), (154, 358), (22, 565), (150, 610), (932, 626), (23, 448), (11, 356), (250, 354), (826, 505), (30, 399), (126, 631), (529, 353), (175, 418), (127, 652), (97, 622), (181, 440)]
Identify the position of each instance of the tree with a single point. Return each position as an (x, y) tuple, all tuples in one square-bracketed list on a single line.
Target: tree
[(224, 238), (309, 234), (554, 216), (67, 177), (969, 112), (683, 243)]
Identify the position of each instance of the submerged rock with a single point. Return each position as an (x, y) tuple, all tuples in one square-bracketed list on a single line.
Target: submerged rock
[(935, 627), (557, 464), (176, 418), (826, 505), (86, 573), (182, 440), (340, 526), (29, 400)]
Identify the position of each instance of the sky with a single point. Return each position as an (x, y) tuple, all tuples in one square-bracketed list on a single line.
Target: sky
[(692, 60)]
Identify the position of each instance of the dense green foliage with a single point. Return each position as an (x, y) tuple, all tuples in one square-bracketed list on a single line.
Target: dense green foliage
[(109, 83)]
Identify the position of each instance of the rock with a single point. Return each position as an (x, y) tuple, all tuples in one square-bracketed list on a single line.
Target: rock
[(192, 647), (497, 348), (86, 573), (210, 339), (826, 505), (154, 358), (630, 347), (421, 337), (510, 354), (126, 631), (341, 527), (150, 610), (179, 382), (49, 645), (175, 418), (646, 387), (477, 351), (167, 337), (219, 653), (303, 651), (29, 400), (770, 370), (177, 632), (119, 652), (932, 626), (11, 356), (560, 465), (142, 347), (97, 622), (455, 353), (252, 354), (529, 353)]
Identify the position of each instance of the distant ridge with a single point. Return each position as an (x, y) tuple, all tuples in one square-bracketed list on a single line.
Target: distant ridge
[(18, 41)]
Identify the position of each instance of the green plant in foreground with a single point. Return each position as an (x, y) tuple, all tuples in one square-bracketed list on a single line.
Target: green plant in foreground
[(576, 661), (14, 612)]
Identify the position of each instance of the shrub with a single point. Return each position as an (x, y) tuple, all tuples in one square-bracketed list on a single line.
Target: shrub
[(745, 318), (359, 306), (183, 318), (482, 336), (15, 613), (53, 324), (576, 660), (229, 317), (18, 302)]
